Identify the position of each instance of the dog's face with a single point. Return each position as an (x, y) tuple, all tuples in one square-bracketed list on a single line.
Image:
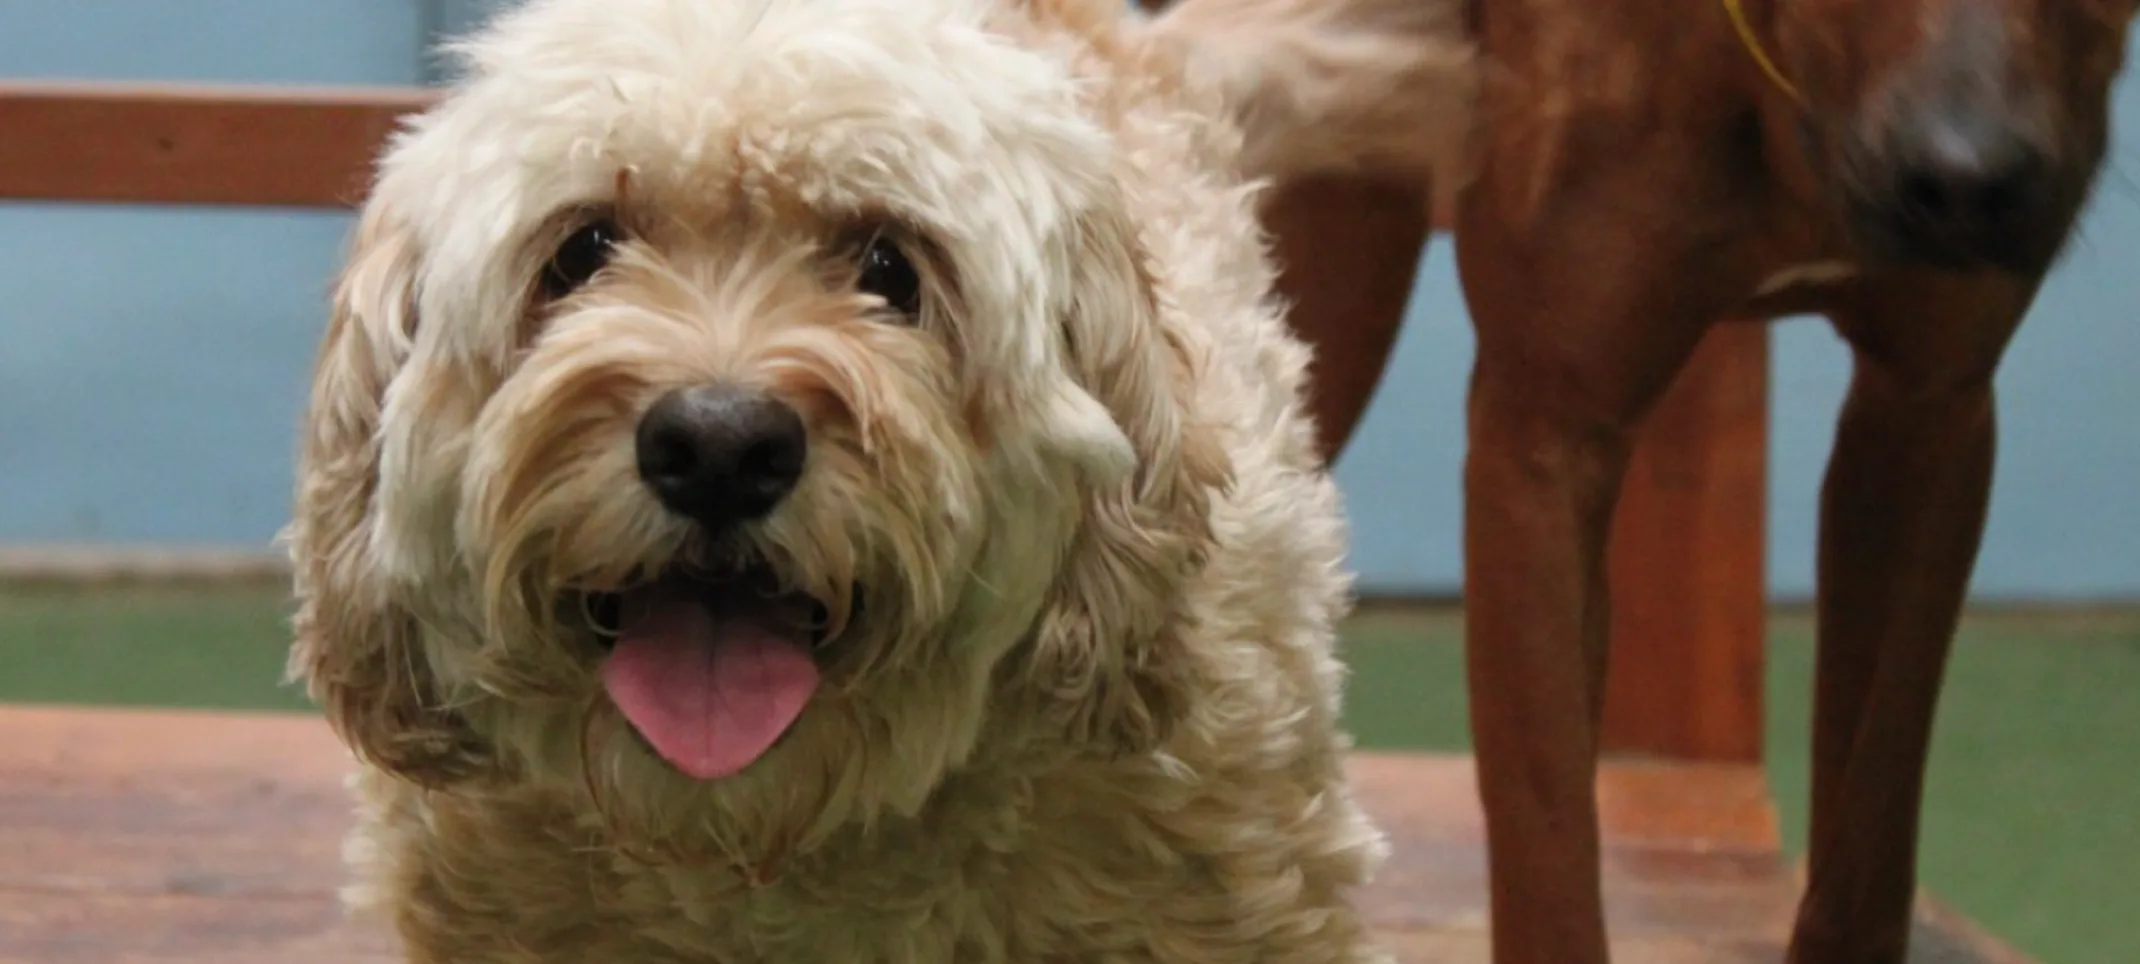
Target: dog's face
[(732, 407), (1960, 133)]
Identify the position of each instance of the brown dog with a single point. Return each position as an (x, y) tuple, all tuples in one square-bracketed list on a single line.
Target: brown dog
[(1644, 170)]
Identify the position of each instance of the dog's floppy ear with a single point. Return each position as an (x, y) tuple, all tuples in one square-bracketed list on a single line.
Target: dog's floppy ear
[(359, 652), (1111, 637)]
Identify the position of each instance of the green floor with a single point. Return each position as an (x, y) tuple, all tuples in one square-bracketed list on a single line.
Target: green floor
[(2034, 824)]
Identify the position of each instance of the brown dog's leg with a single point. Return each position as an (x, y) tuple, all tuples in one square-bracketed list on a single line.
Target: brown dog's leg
[(1582, 322), (1348, 250), (1902, 510)]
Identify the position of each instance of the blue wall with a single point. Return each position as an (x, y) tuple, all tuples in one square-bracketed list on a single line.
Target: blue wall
[(152, 360)]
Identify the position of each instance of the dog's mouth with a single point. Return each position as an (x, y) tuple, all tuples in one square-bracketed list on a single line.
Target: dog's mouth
[(710, 669)]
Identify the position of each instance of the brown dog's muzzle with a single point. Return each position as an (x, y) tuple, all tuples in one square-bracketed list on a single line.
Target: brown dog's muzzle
[(1957, 162), (1966, 186)]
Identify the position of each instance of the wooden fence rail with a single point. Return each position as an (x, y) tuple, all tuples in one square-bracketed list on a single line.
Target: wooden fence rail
[(174, 144)]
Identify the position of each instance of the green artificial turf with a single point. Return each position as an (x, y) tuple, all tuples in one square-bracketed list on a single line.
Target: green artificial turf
[(2033, 827), (220, 649)]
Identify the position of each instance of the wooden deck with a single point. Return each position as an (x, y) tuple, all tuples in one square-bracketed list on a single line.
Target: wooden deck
[(137, 837)]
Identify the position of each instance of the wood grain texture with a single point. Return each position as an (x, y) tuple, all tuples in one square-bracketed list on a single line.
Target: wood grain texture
[(1688, 560), (137, 837), (194, 144)]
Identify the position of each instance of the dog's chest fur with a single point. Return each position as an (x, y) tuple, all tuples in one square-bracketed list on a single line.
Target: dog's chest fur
[(1052, 869)]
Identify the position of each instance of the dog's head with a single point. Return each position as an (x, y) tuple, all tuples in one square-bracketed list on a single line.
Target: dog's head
[(732, 408), (1958, 133)]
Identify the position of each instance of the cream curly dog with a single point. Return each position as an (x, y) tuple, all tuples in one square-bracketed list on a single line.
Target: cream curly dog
[(824, 481)]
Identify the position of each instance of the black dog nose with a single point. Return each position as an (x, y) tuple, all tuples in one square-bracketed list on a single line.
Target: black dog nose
[(721, 454), (1970, 187), (1978, 190)]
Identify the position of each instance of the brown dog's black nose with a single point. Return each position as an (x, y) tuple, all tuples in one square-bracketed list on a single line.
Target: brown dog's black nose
[(721, 454), (1970, 189)]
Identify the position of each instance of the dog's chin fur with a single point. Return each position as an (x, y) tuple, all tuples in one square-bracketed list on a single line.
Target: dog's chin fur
[(1087, 706)]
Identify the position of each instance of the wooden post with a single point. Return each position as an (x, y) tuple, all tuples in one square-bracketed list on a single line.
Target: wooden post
[(1687, 563)]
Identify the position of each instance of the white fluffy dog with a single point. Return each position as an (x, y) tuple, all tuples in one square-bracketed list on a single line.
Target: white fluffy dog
[(824, 481)]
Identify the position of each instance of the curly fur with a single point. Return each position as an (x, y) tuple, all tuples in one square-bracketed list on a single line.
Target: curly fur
[(1090, 711)]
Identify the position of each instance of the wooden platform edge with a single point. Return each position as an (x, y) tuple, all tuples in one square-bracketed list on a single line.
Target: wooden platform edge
[(216, 836), (1943, 933), (99, 566), (1714, 806), (1936, 916)]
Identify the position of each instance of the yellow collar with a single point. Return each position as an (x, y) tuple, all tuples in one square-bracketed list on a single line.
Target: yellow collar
[(1752, 42)]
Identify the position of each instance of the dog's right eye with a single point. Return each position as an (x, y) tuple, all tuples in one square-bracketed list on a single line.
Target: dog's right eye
[(887, 273), (583, 254)]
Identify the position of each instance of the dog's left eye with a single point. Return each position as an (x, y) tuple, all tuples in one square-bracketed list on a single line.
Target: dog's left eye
[(583, 254), (887, 273)]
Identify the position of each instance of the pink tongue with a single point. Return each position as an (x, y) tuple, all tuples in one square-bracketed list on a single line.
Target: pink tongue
[(711, 682)]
